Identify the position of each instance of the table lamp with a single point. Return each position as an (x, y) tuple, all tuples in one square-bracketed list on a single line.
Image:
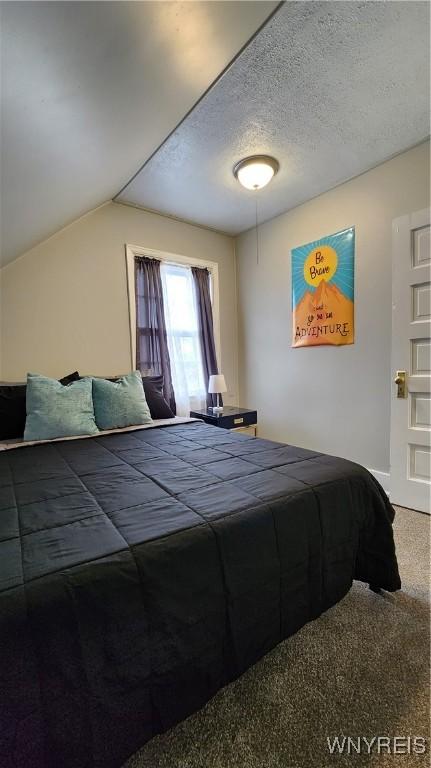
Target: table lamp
[(217, 385)]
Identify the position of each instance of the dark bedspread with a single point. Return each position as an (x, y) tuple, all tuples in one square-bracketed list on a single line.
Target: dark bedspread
[(140, 572)]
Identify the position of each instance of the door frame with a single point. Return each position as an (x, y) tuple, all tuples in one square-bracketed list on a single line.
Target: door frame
[(409, 222)]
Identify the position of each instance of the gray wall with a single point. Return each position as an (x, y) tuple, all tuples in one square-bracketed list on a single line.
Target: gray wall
[(333, 399)]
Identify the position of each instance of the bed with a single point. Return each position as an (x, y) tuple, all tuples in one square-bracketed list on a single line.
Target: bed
[(143, 570)]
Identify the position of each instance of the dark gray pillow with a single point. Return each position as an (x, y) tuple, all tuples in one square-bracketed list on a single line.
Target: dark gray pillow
[(153, 388)]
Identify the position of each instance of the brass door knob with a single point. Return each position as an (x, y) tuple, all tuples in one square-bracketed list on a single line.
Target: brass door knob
[(400, 381)]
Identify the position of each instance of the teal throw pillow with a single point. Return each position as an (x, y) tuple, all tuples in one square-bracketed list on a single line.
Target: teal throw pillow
[(54, 410), (120, 403)]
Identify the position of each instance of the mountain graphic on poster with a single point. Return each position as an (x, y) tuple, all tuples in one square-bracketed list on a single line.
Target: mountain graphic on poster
[(327, 295)]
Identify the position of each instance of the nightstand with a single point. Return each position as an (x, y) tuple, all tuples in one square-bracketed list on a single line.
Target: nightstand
[(234, 418)]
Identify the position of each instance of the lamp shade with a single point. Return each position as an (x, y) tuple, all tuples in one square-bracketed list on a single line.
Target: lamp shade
[(217, 384)]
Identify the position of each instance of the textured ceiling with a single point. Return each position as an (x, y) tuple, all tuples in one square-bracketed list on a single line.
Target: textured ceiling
[(329, 88), (90, 89)]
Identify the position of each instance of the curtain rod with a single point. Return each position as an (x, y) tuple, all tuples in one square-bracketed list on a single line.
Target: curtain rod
[(174, 263)]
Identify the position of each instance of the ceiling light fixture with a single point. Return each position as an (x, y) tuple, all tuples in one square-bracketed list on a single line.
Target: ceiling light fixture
[(256, 172)]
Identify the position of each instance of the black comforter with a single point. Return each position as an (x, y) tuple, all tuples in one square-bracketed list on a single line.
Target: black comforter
[(142, 571)]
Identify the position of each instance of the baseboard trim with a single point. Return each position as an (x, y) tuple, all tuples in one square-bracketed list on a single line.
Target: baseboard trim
[(384, 479)]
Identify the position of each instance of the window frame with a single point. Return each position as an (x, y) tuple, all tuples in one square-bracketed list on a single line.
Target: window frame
[(176, 259)]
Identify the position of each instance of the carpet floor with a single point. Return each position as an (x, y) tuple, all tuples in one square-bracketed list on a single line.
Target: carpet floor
[(361, 669)]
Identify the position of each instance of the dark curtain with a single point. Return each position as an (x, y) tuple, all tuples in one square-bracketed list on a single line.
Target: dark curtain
[(152, 355), (201, 279)]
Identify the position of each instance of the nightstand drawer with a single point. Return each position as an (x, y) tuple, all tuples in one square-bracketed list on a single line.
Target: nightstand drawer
[(236, 421)]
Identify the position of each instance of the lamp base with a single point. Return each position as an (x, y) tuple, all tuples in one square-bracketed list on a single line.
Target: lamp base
[(217, 409)]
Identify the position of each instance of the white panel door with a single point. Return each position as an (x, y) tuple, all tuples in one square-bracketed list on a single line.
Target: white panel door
[(411, 348)]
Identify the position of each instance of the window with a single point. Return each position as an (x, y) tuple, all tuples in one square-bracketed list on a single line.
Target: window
[(181, 320), (183, 340)]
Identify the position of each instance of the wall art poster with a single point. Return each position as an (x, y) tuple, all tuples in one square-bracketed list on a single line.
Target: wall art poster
[(323, 291)]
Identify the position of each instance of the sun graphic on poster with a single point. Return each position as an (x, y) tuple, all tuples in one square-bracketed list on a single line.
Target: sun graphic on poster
[(320, 264)]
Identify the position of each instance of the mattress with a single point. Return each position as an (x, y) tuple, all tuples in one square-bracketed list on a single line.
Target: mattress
[(142, 571)]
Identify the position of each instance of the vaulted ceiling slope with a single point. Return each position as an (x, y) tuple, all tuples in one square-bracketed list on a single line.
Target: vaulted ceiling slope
[(90, 89), (330, 88)]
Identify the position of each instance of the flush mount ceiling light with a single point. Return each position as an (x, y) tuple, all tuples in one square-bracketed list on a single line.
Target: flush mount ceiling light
[(256, 172)]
